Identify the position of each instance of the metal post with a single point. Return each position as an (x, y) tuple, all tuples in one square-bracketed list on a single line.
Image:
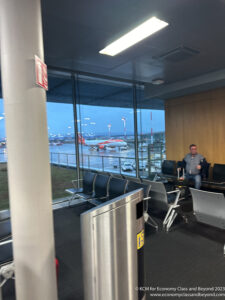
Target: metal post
[(149, 160), (67, 160), (58, 159), (103, 163), (135, 131), (161, 154), (76, 128), (88, 162), (28, 151)]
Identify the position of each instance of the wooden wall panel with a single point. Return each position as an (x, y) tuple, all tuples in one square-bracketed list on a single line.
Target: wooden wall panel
[(174, 144), (198, 119)]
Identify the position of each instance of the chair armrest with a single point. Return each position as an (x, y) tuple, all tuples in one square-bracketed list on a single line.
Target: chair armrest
[(105, 197), (76, 180), (5, 242), (6, 237), (175, 191), (98, 198), (176, 206), (146, 200), (183, 198), (213, 182)]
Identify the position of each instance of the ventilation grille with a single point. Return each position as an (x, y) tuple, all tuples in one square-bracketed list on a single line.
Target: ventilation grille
[(178, 54)]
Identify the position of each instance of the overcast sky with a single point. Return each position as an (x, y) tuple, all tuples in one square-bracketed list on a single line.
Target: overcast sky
[(94, 120)]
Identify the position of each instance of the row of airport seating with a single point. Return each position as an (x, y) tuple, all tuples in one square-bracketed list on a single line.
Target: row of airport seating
[(161, 196), (100, 187), (97, 188), (215, 175), (208, 207)]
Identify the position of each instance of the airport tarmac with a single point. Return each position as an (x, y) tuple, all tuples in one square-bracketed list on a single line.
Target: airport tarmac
[(109, 160)]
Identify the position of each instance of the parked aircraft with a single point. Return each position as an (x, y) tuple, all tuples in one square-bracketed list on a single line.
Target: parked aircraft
[(103, 144)]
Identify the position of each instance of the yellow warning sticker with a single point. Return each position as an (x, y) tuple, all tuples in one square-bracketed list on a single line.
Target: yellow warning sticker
[(140, 239)]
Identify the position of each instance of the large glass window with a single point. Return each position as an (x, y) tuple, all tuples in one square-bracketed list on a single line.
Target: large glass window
[(151, 134), (4, 195), (105, 121), (106, 126), (61, 134)]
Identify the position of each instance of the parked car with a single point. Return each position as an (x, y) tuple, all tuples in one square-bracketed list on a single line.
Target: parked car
[(142, 166), (127, 166), (124, 148)]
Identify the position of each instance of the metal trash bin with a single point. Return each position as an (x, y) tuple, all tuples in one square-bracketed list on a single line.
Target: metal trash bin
[(113, 249)]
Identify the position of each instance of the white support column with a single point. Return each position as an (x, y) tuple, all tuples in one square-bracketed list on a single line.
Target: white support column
[(28, 154)]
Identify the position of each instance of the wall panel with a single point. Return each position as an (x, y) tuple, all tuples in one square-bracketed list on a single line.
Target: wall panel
[(198, 119)]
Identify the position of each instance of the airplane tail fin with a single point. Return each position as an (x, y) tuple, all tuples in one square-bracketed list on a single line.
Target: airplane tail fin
[(81, 140)]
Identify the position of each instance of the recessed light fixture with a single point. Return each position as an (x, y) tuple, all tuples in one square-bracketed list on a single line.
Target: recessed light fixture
[(134, 36), (157, 81)]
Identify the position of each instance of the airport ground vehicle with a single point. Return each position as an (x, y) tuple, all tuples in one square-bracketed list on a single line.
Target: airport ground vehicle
[(127, 166), (142, 166)]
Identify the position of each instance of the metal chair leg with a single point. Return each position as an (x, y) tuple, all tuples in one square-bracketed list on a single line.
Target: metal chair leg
[(165, 221), (171, 220), (150, 221)]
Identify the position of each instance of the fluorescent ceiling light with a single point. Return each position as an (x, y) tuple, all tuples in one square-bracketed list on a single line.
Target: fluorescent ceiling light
[(134, 36)]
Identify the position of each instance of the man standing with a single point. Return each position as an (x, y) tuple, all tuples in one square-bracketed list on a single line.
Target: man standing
[(195, 166)]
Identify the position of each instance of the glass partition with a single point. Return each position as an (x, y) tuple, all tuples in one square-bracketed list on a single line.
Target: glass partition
[(106, 125), (151, 134), (60, 116)]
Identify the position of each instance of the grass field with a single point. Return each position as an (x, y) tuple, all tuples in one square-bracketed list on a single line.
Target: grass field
[(61, 180), (4, 195)]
